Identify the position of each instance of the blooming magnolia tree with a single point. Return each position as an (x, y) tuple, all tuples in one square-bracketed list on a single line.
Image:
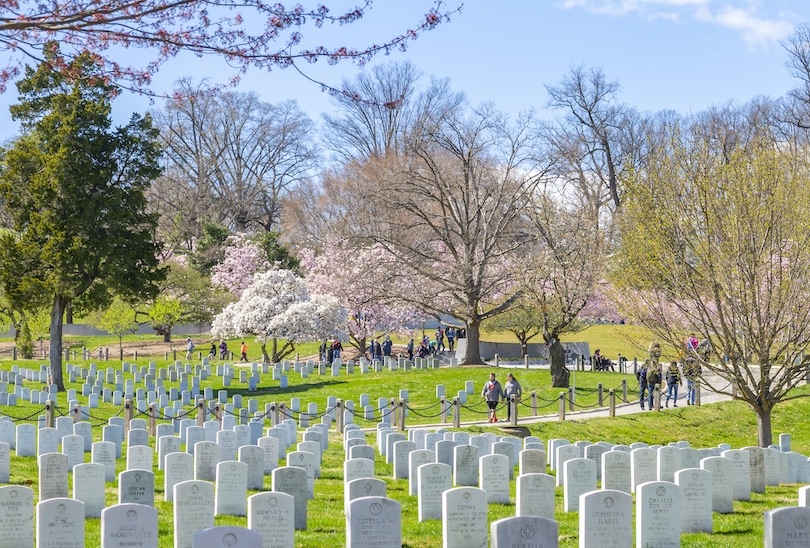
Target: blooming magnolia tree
[(362, 284), (277, 305), (243, 258)]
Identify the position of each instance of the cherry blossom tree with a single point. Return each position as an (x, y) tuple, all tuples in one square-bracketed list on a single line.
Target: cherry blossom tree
[(362, 284), (242, 259), (273, 307), (247, 34)]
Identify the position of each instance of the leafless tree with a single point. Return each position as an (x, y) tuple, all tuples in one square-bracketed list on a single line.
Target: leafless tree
[(559, 274), (451, 209), (373, 113), (233, 158), (596, 138)]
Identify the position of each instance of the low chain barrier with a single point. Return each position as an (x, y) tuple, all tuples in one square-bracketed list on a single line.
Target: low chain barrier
[(26, 418)]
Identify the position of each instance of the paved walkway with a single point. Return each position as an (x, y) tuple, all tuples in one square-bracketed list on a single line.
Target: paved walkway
[(550, 413)]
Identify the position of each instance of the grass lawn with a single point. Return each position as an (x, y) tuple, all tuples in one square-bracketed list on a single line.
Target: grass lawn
[(631, 341), (706, 426)]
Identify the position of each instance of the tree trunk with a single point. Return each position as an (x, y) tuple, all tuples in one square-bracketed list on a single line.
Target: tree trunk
[(167, 335), (559, 373), (265, 357), (764, 432), (57, 312), (472, 354), (69, 313)]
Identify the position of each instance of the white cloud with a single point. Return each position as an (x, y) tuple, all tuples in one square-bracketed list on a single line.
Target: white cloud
[(743, 16)]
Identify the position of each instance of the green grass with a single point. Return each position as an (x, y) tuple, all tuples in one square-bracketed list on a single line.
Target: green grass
[(631, 341), (706, 426)]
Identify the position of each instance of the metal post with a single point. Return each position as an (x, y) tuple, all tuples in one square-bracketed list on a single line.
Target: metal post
[(456, 413), (152, 418), (562, 406), (624, 390), (401, 415), (534, 403), (174, 355), (599, 390), (136, 355), (200, 413), (513, 409), (339, 415), (127, 415), (571, 397), (526, 360), (497, 360), (621, 364), (612, 400), (50, 410)]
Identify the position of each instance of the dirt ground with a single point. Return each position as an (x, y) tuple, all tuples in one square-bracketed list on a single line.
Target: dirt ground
[(157, 348)]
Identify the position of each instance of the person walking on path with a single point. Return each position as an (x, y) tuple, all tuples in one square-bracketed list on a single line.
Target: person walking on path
[(243, 350), (451, 338), (673, 376), (189, 348), (692, 371), (653, 379), (512, 388), (493, 392), (641, 375)]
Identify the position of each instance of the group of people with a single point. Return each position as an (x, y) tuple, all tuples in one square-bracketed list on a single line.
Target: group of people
[(330, 350), (652, 373), (495, 393), (601, 363), (223, 350)]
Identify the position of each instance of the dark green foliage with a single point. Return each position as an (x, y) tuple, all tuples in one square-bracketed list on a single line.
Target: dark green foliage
[(211, 247), (74, 188), (276, 252)]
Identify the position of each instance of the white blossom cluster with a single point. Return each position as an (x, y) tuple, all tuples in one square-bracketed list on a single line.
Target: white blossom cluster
[(277, 304)]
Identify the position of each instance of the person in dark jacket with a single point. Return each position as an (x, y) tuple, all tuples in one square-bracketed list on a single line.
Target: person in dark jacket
[(387, 345)]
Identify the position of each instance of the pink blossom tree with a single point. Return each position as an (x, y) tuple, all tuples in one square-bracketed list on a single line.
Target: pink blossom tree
[(243, 258), (361, 281)]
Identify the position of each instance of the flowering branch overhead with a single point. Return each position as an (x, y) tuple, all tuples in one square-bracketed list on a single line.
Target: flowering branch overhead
[(246, 33)]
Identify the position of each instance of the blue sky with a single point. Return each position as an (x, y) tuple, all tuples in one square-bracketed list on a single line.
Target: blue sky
[(684, 55)]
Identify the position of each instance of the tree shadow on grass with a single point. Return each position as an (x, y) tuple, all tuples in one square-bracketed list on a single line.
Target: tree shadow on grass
[(272, 390)]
